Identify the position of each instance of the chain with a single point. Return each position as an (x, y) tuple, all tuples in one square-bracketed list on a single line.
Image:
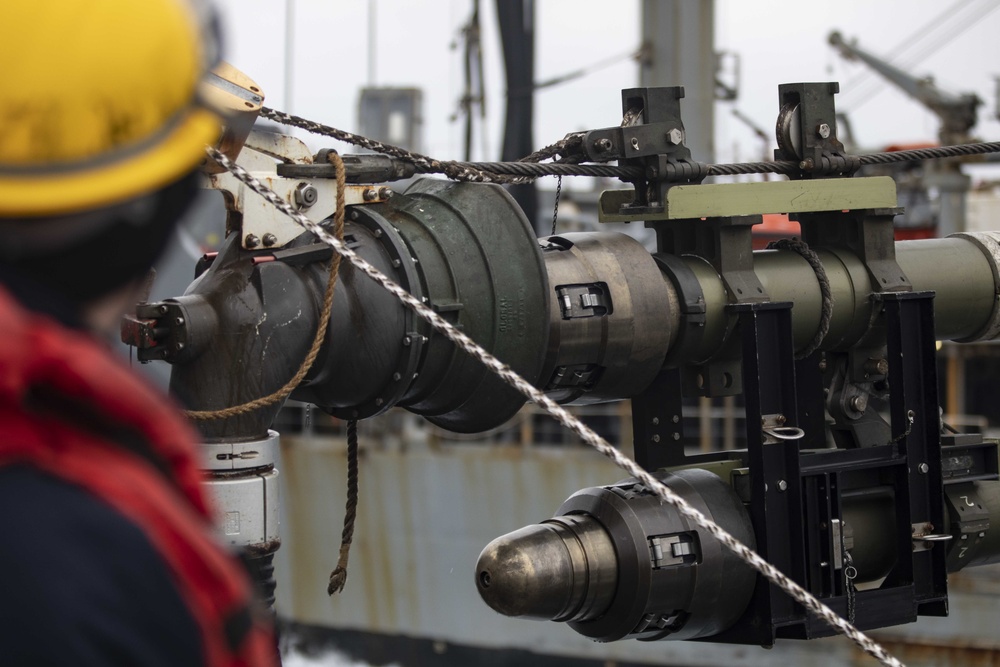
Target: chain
[(850, 574), (555, 209), (770, 572), (910, 416), (571, 151)]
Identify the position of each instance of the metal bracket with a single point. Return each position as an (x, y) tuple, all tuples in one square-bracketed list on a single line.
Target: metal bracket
[(652, 138), (672, 550), (807, 131), (868, 233), (970, 522), (261, 225), (590, 300), (724, 242)]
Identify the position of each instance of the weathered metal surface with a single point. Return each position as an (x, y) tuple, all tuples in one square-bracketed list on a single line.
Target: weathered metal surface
[(731, 199), (261, 224), (139, 333), (425, 513)]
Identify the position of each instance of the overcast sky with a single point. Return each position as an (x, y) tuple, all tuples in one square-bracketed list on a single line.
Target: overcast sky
[(778, 41)]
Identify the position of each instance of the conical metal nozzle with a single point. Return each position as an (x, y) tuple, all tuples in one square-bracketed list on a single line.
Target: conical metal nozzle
[(564, 569)]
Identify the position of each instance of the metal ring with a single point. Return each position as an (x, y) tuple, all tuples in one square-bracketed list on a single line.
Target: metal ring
[(935, 538), (785, 432)]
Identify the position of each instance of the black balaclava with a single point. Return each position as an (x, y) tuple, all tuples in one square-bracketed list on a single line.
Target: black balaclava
[(119, 245)]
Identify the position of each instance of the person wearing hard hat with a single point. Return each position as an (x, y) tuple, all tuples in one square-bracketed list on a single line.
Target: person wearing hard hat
[(108, 555)]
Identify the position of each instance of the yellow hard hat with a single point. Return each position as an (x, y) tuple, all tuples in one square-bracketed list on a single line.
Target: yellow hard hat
[(99, 100)]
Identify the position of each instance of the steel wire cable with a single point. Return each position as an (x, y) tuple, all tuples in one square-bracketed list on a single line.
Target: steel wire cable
[(530, 167), (751, 558)]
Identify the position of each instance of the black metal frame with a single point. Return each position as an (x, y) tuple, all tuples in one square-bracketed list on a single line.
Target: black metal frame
[(796, 491)]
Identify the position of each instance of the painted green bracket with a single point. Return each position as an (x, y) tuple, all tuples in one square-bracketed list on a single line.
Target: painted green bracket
[(716, 200)]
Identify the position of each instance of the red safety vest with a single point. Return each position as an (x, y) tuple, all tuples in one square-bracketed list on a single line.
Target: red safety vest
[(49, 373)]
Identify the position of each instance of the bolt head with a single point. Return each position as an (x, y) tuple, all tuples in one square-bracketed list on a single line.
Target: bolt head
[(782, 485), (369, 194), (923, 468), (675, 136), (823, 131), (384, 193), (251, 241), (305, 195), (270, 239), (603, 145)]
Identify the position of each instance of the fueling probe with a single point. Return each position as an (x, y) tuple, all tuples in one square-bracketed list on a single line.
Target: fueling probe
[(847, 484)]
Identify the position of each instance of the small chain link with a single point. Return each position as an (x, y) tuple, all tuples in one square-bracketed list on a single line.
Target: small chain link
[(555, 209), (910, 416), (850, 574), (461, 340)]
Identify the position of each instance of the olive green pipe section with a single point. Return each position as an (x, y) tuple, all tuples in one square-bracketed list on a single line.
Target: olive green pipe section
[(960, 274), (954, 268)]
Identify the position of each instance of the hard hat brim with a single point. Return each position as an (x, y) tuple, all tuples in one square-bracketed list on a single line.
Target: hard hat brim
[(47, 194)]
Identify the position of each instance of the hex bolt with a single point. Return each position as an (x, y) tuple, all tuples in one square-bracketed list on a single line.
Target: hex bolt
[(377, 233), (603, 145), (923, 468), (782, 485), (677, 436), (876, 366), (270, 239), (656, 420), (384, 193), (369, 194), (675, 418), (823, 131), (656, 438), (675, 136), (251, 241), (305, 195), (179, 321), (354, 215), (859, 403)]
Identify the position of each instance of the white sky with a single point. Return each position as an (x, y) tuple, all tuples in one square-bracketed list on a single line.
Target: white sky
[(779, 41)]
